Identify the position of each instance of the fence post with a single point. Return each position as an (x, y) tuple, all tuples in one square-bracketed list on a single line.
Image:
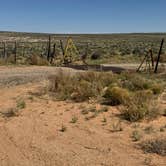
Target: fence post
[(158, 57), (15, 57), (4, 49), (49, 48)]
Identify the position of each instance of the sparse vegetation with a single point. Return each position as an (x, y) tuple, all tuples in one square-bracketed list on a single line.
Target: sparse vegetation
[(135, 92), (104, 120), (149, 129), (104, 109), (164, 112), (74, 119), (63, 128), (81, 86), (140, 106), (116, 126), (157, 146), (116, 95), (163, 128), (10, 112), (84, 111), (136, 136), (21, 104), (37, 60)]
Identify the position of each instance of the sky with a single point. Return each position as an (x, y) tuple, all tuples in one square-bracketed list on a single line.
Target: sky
[(83, 16)]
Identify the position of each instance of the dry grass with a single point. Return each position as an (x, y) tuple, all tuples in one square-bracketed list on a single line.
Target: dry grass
[(135, 92), (37, 60), (10, 112), (81, 86), (116, 95), (157, 146)]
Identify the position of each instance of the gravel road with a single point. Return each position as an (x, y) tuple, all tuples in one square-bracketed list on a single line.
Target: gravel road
[(11, 75), (16, 75)]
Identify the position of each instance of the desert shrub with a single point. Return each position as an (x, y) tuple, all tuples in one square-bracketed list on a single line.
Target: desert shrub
[(21, 104), (134, 82), (135, 94), (62, 84), (136, 135), (157, 88), (116, 95), (74, 119), (95, 55), (10, 112), (101, 78), (2, 61), (80, 86), (157, 146), (140, 106), (116, 126), (9, 60), (37, 60)]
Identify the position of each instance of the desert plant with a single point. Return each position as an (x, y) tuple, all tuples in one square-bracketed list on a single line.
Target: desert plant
[(116, 126), (134, 82), (157, 146), (81, 86), (116, 95), (157, 88), (136, 135), (149, 129), (63, 128), (10, 112), (104, 120), (164, 112), (84, 111), (37, 60), (74, 119), (21, 104), (140, 107), (103, 109), (92, 116)]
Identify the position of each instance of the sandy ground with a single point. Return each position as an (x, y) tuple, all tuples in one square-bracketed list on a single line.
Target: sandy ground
[(34, 136)]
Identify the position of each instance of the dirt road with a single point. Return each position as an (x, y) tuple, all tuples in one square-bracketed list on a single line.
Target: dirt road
[(15, 75), (11, 75)]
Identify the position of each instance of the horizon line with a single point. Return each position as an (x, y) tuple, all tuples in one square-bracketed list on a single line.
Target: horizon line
[(80, 33)]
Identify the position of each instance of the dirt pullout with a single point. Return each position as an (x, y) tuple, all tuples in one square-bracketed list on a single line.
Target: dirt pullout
[(34, 137), (12, 75)]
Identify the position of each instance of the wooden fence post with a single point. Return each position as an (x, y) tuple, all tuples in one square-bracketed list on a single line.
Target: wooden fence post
[(15, 56), (158, 57), (49, 48), (62, 47), (4, 50)]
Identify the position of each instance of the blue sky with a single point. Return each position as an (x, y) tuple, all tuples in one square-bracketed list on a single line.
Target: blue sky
[(83, 16)]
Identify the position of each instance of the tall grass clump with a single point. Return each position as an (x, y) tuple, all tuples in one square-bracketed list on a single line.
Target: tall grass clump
[(80, 86), (140, 106)]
